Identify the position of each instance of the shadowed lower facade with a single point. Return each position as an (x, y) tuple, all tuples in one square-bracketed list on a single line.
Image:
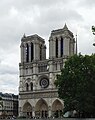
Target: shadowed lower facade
[(38, 95)]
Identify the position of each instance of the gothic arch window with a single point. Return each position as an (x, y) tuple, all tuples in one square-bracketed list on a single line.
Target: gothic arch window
[(61, 46), (32, 51), (27, 52), (40, 52), (56, 47), (31, 86), (27, 87)]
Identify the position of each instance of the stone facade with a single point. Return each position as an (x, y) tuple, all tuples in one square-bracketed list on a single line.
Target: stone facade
[(38, 95)]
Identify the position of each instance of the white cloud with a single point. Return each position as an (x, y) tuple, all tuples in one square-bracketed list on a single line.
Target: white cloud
[(9, 83), (87, 4)]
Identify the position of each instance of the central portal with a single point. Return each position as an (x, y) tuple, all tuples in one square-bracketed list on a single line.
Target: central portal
[(41, 109)]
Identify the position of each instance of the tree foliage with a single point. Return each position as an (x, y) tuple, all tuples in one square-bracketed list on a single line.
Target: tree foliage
[(93, 29), (76, 85)]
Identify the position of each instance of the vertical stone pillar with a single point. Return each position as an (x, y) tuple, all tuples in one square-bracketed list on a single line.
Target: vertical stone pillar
[(24, 52), (33, 112), (29, 51), (50, 47), (72, 47), (43, 52), (20, 111), (20, 84), (66, 46), (35, 68), (50, 113), (59, 47), (51, 74), (63, 46), (36, 51), (35, 72), (50, 66)]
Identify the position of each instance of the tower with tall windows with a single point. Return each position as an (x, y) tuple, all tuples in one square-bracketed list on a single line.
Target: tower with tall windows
[(38, 95)]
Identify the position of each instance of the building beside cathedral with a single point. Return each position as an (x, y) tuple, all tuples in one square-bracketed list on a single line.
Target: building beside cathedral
[(38, 95), (8, 105)]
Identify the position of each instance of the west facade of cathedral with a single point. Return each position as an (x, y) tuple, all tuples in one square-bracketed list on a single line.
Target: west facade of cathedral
[(38, 97)]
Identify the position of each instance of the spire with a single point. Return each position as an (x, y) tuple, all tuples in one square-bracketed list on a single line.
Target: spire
[(24, 36), (65, 27)]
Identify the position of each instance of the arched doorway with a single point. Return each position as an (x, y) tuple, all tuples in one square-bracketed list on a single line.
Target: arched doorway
[(27, 110), (57, 108), (41, 109)]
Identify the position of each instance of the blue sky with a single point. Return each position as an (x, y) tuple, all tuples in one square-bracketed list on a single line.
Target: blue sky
[(41, 17)]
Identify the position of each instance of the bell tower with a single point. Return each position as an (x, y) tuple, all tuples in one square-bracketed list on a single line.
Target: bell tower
[(32, 48), (61, 43)]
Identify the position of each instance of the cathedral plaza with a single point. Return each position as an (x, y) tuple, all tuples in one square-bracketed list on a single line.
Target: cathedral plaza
[(38, 96)]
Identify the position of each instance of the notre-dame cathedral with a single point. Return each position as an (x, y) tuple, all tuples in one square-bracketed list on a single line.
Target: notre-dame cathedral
[(38, 97)]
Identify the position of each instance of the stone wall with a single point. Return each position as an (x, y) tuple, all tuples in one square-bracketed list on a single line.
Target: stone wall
[(60, 119)]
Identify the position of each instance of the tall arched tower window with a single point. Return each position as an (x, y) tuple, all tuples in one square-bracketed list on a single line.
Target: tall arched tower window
[(27, 52), (56, 47), (27, 87), (61, 46), (40, 52), (31, 86), (32, 51)]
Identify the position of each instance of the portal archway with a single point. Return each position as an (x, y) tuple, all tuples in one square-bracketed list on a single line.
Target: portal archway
[(27, 109), (57, 108), (41, 109)]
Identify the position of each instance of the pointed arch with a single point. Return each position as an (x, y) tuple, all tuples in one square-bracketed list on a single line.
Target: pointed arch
[(41, 105), (57, 105), (41, 109), (57, 108), (28, 80), (27, 109)]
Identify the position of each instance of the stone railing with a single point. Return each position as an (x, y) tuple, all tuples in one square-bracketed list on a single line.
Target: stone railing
[(57, 119)]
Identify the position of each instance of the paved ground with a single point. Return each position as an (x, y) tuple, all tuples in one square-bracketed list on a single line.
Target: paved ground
[(55, 119)]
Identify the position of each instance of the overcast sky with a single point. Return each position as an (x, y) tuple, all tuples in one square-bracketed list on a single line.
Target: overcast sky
[(41, 17)]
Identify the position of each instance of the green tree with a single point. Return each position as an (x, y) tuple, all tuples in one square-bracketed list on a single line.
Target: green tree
[(76, 85), (93, 29)]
